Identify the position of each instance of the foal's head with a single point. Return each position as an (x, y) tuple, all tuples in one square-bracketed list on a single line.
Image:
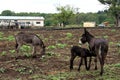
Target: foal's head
[(86, 36)]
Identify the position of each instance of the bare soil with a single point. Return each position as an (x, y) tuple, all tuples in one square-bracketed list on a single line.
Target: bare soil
[(16, 66)]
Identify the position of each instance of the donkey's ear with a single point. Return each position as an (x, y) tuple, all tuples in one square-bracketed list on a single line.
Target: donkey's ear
[(85, 31)]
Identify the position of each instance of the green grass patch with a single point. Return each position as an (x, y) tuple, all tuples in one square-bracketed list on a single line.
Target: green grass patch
[(69, 35), (51, 47), (59, 45)]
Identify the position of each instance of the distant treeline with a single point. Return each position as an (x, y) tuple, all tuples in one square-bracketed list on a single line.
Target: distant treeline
[(77, 19)]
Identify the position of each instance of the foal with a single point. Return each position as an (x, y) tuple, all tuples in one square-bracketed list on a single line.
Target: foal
[(81, 52), (97, 46), (31, 39)]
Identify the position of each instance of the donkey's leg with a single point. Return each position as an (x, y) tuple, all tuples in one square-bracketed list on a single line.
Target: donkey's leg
[(85, 60), (95, 60), (71, 61), (34, 50), (89, 65), (81, 61), (101, 64), (18, 47), (102, 60), (43, 50)]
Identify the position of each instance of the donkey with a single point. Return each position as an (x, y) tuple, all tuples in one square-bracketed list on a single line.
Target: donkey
[(30, 39), (81, 52), (97, 46)]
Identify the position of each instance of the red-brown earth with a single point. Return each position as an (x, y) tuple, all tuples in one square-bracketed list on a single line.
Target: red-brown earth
[(55, 64)]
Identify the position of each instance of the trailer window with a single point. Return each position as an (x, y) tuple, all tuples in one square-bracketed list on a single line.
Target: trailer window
[(27, 22), (37, 22)]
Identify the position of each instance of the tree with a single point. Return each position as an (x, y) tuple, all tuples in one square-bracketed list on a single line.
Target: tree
[(65, 13), (7, 13), (114, 9)]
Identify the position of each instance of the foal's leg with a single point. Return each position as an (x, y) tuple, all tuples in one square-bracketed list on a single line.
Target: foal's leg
[(89, 65), (81, 61), (71, 61)]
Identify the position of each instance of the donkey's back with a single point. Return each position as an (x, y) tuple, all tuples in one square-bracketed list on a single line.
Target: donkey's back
[(29, 38)]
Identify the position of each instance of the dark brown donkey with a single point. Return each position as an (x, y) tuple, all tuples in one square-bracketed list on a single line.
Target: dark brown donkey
[(97, 46), (83, 53), (31, 39)]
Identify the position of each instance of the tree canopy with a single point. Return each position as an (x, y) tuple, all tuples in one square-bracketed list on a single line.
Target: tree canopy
[(114, 9), (65, 13)]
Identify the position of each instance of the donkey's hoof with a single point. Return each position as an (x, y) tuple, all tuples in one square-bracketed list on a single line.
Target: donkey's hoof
[(95, 68), (87, 69), (78, 70), (34, 56), (101, 73)]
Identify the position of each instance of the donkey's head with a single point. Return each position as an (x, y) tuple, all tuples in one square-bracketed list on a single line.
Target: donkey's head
[(85, 37)]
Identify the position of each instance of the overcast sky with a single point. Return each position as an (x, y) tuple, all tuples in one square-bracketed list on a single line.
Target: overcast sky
[(49, 6)]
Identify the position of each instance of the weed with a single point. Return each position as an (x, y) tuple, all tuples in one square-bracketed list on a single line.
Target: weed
[(24, 70), (2, 70), (10, 38), (12, 51), (117, 65), (50, 53), (51, 47), (111, 43), (118, 44), (105, 37), (113, 30), (69, 35), (25, 48), (1, 36), (59, 45), (3, 53)]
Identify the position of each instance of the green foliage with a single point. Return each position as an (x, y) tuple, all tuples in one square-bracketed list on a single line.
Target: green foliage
[(117, 65), (59, 45), (24, 70), (10, 38), (3, 53), (51, 47), (113, 30), (105, 36), (65, 13), (7, 13), (114, 8), (2, 70), (1, 36), (12, 51), (26, 50), (69, 35)]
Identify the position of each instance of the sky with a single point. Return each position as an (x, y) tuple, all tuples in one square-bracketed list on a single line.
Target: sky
[(49, 6)]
